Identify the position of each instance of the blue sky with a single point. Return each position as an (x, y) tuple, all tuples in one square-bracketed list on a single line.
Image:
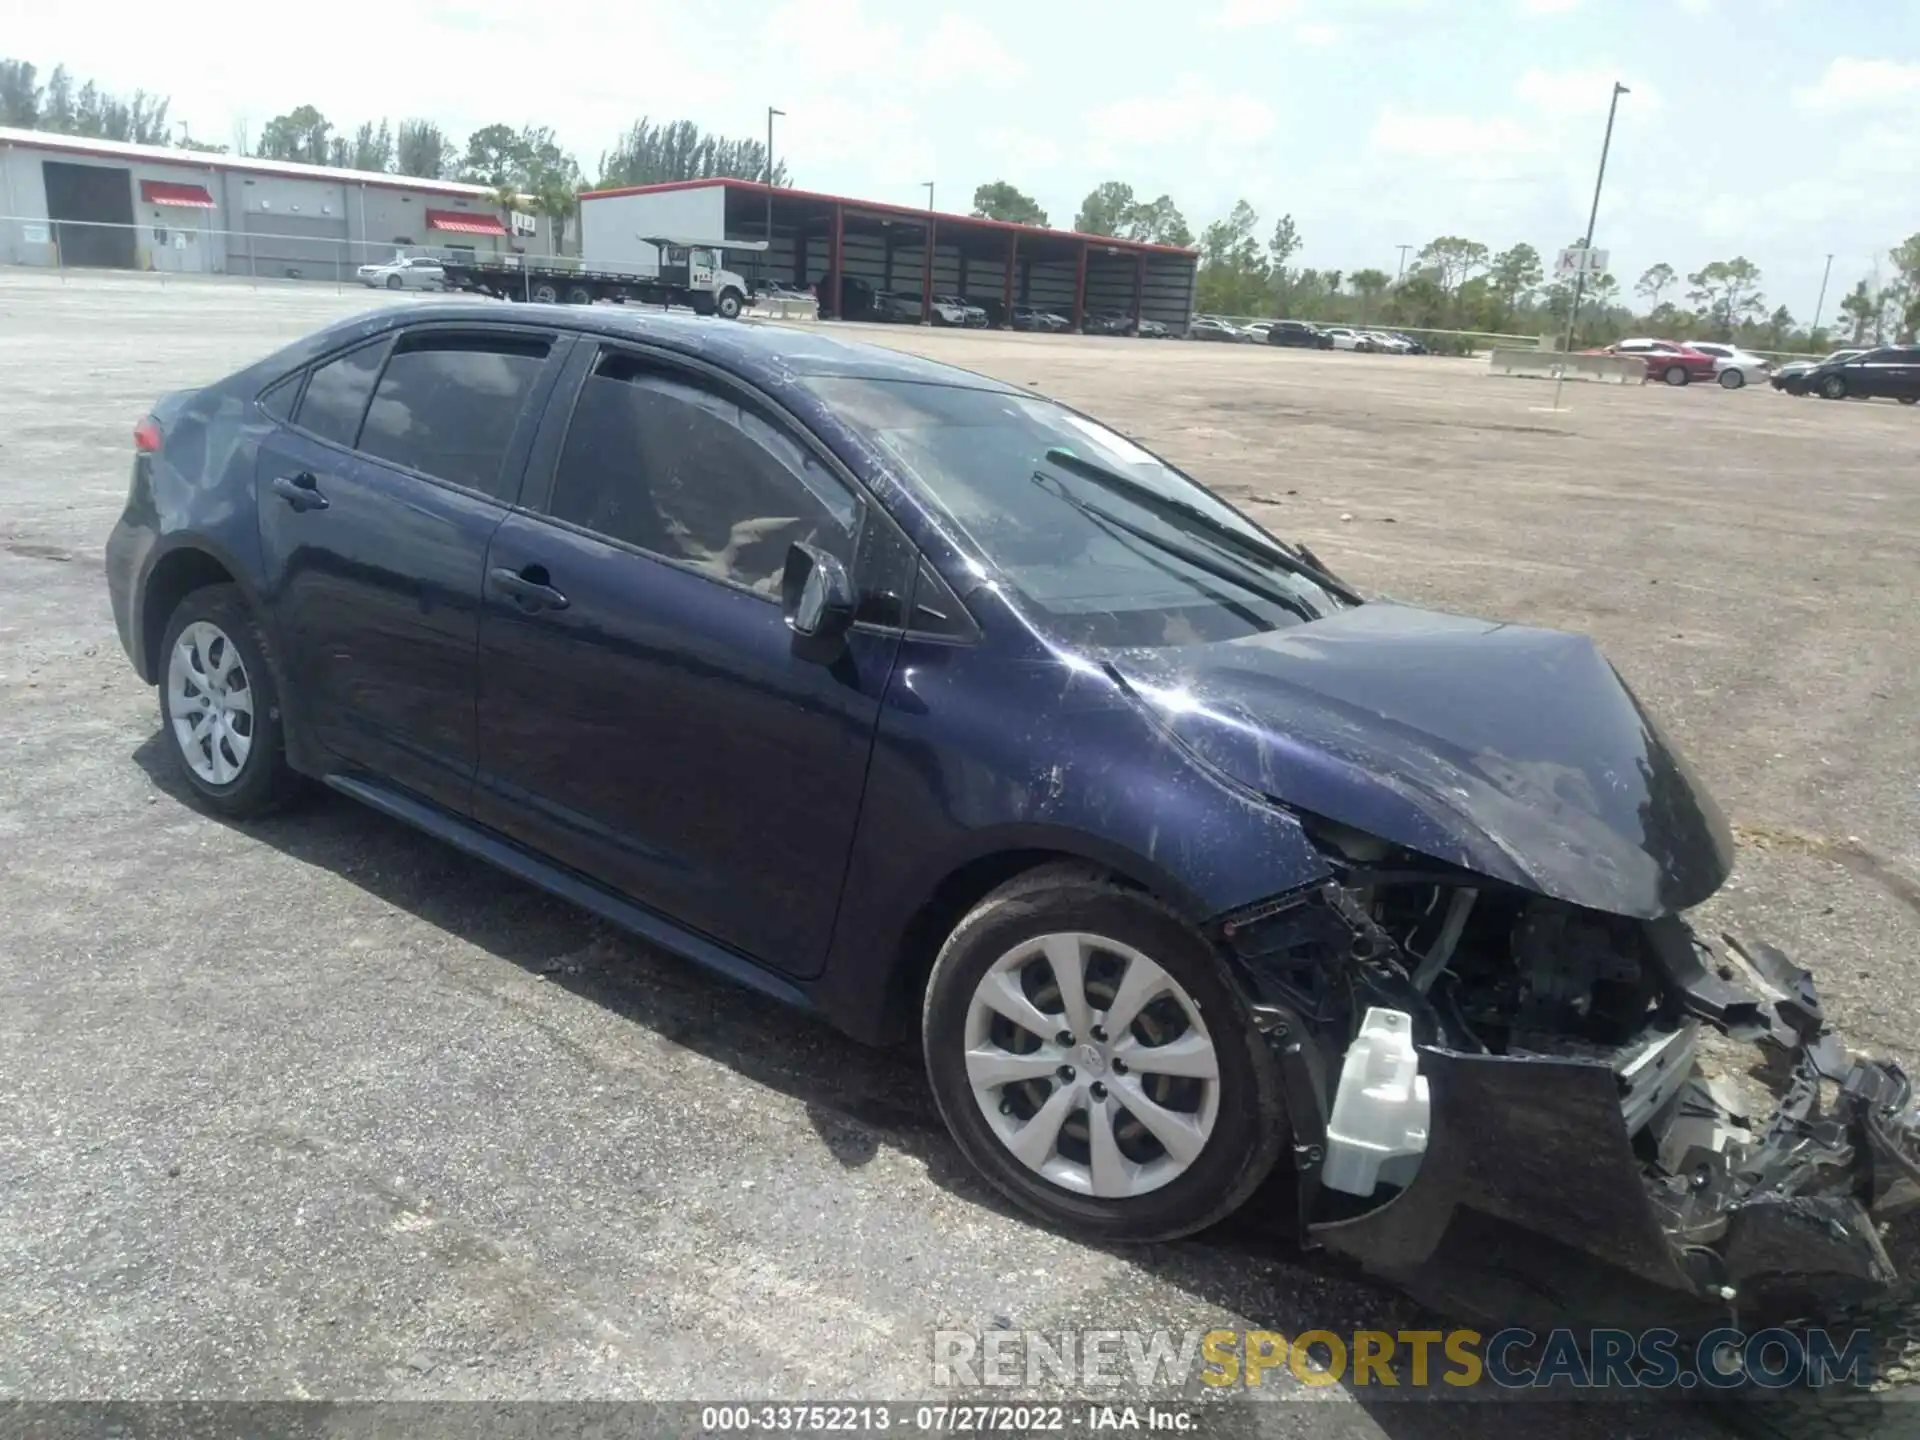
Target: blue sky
[(1777, 130)]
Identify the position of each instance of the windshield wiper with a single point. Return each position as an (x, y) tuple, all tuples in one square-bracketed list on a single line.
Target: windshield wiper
[(1233, 573), (1304, 563)]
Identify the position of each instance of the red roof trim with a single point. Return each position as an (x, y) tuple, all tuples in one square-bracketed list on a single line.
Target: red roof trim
[(463, 222), (881, 207), (166, 192)]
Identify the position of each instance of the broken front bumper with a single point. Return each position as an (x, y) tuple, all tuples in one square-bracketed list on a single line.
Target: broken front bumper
[(1634, 1192)]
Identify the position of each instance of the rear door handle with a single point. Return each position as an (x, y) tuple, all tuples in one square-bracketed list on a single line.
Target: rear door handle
[(528, 587), (300, 491)]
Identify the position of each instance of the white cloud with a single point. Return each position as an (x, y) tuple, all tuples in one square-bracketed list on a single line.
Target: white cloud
[(1849, 84), (1547, 7), (1450, 137), (1191, 111), (1317, 36), (1237, 14)]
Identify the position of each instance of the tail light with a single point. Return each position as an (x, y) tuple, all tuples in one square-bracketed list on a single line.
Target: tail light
[(147, 436)]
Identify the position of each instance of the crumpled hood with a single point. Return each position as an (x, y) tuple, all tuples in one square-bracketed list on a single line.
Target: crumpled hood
[(1514, 752)]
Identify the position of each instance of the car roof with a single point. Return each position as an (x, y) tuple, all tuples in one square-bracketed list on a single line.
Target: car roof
[(767, 355)]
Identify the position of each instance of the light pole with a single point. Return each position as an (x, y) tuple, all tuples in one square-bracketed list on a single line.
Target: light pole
[(929, 185), (1821, 303), (1593, 215), (771, 112), (1399, 274)]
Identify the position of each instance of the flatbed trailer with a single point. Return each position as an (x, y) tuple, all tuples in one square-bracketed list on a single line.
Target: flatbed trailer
[(688, 274)]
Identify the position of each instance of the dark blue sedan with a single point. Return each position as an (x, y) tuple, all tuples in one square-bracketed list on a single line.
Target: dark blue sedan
[(933, 706)]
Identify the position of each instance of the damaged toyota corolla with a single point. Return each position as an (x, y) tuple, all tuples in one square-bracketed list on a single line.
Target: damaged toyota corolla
[(914, 698)]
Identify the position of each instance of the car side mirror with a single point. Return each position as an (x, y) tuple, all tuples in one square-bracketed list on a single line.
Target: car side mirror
[(815, 595)]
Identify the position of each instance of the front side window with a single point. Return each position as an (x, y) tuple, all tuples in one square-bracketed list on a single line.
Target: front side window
[(657, 460), (337, 394), (448, 404), (1104, 545)]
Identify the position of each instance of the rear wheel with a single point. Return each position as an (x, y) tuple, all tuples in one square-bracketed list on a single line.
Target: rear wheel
[(1907, 399), (1834, 387), (1731, 379), (220, 708), (1675, 375), (546, 293), (1094, 1062), (579, 295)]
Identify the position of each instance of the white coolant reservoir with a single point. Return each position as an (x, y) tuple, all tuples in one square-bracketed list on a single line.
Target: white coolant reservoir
[(1379, 1127)]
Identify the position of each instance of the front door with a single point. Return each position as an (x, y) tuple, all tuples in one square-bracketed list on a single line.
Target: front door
[(643, 716), (376, 504)]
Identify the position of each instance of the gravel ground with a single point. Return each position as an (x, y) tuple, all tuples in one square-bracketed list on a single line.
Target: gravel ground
[(319, 1108)]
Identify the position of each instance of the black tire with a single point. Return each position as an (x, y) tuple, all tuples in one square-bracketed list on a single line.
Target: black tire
[(1834, 387), (546, 293), (1907, 399), (1675, 375), (727, 307), (1732, 379), (265, 781), (393, 282), (579, 295), (1250, 1121)]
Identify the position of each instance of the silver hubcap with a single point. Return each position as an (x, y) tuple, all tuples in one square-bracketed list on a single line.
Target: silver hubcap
[(1092, 1065), (210, 703)]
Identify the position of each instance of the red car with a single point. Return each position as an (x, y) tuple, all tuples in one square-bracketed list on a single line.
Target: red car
[(1666, 360)]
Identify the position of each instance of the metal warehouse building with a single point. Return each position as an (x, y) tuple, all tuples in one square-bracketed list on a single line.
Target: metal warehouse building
[(896, 247), (72, 201)]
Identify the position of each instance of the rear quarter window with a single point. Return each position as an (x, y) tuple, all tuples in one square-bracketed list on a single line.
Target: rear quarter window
[(336, 394)]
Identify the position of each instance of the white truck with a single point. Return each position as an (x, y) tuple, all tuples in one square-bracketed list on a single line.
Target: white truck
[(687, 272)]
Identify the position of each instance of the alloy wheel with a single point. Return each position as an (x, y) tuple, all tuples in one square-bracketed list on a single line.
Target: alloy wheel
[(210, 703), (1092, 1065)]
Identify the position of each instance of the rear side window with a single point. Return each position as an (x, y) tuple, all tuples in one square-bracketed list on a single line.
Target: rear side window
[(666, 464), (337, 393), (447, 406), (278, 402)]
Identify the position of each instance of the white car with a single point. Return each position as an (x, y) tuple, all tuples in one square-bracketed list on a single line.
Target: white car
[(1258, 329), (1345, 338), (1732, 366), (404, 272), (1391, 344)]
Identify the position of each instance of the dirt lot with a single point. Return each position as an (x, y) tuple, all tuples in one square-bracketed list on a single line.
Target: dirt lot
[(320, 1108)]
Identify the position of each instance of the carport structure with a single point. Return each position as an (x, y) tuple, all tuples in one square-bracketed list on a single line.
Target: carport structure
[(901, 248)]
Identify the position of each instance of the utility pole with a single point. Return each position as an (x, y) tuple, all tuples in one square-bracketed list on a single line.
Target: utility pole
[(771, 112), (1400, 274), (1593, 215), (1821, 304), (929, 185)]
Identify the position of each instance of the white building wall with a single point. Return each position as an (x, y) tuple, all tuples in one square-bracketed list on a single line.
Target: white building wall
[(611, 225), (23, 198)]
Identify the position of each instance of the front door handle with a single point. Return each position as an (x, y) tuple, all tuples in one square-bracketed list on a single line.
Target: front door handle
[(300, 491), (529, 587)]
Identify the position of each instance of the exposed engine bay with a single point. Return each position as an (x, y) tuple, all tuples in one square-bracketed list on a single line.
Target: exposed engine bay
[(1505, 1103)]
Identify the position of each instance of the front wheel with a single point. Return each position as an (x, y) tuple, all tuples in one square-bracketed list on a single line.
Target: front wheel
[(393, 282), (220, 708), (1095, 1063), (727, 307), (1834, 388), (1731, 379), (1675, 375)]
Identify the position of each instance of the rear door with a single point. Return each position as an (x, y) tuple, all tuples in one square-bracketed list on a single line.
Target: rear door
[(376, 504), (644, 717)]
